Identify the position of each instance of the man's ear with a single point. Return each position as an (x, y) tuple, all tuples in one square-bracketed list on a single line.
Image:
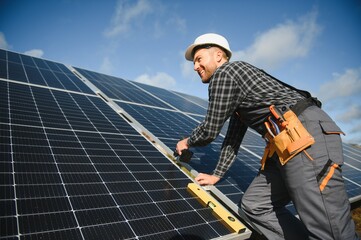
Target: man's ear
[(219, 55)]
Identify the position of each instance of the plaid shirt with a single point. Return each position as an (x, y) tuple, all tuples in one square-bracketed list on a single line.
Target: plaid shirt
[(243, 93)]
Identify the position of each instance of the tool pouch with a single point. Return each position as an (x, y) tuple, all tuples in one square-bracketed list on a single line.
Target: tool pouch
[(293, 139)]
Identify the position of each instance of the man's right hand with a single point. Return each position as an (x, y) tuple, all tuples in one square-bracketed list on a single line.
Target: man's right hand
[(181, 145)]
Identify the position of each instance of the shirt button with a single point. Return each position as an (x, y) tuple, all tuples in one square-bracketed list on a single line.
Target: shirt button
[(283, 108)]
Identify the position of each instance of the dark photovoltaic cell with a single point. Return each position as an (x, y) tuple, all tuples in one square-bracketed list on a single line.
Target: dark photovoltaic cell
[(72, 168)]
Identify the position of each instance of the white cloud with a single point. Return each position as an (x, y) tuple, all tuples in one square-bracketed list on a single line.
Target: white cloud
[(281, 43), (3, 43), (175, 23), (161, 79), (342, 85), (178, 23), (158, 30), (341, 97), (35, 53), (353, 133), (187, 69), (125, 15), (131, 14), (352, 113), (106, 66)]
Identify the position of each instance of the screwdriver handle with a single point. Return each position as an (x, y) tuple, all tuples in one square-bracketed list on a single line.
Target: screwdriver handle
[(276, 113)]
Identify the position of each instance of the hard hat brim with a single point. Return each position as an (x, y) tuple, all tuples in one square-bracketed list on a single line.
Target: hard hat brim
[(189, 52)]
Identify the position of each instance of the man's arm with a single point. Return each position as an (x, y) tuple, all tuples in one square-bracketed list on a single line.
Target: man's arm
[(231, 143), (235, 133), (223, 91)]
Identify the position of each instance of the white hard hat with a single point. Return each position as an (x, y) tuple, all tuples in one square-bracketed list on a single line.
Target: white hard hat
[(208, 39)]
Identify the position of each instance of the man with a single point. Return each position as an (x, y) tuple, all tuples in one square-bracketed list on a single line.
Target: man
[(243, 94)]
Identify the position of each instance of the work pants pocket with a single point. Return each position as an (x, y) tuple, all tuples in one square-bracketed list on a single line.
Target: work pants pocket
[(332, 139)]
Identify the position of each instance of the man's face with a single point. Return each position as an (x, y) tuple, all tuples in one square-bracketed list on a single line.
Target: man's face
[(205, 63)]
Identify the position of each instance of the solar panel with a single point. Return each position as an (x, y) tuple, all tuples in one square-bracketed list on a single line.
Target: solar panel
[(73, 168)]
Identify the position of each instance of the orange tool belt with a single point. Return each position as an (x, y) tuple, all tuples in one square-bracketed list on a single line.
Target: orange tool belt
[(286, 136)]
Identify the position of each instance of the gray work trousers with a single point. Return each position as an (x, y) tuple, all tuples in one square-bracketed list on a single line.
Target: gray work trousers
[(322, 214)]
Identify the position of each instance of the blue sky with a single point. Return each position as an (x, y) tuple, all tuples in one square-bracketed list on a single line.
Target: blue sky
[(313, 45)]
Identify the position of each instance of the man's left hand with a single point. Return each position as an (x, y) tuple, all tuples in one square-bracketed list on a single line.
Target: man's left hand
[(206, 179)]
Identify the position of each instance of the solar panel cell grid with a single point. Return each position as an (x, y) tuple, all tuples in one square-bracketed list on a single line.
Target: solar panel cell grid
[(76, 173), (72, 168)]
